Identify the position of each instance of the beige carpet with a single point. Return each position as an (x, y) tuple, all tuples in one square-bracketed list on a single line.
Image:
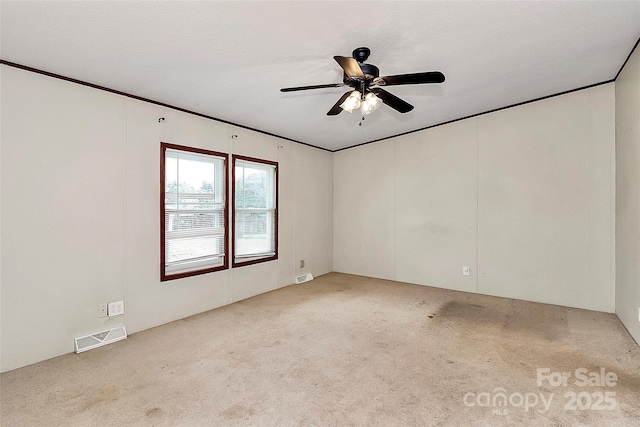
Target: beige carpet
[(344, 350)]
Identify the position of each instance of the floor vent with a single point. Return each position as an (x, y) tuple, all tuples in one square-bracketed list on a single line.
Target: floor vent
[(101, 338), (304, 278)]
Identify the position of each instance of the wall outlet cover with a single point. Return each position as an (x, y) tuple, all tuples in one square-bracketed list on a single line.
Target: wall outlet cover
[(116, 308)]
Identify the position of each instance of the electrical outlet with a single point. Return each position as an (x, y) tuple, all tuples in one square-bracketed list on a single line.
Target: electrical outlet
[(466, 271), (301, 263), (102, 310), (116, 308)]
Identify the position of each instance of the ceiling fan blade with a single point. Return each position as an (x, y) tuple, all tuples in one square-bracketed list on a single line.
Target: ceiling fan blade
[(411, 79), (392, 100), (293, 89), (336, 109), (350, 66)]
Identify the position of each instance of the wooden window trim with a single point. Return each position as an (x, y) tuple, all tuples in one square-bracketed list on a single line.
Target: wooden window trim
[(163, 148), (235, 157)]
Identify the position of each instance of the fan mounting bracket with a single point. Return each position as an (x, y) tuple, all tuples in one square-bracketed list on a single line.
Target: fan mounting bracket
[(361, 54)]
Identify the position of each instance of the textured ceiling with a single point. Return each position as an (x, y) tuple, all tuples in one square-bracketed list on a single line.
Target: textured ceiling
[(229, 59)]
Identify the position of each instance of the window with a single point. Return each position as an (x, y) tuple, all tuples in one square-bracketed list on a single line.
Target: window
[(255, 210), (193, 211)]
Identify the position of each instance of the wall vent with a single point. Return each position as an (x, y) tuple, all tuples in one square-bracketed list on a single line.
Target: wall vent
[(304, 278), (101, 338)]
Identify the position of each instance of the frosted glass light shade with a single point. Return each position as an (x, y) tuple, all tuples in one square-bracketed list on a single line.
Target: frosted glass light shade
[(352, 102), (371, 103)]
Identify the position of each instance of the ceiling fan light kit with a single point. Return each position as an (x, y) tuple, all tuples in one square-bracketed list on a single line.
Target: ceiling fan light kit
[(367, 104), (367, 93)]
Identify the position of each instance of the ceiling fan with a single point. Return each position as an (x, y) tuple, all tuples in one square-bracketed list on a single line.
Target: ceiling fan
[(366, 81)]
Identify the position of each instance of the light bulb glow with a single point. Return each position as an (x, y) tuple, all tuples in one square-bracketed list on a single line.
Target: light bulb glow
[(352, 102), (371, 103)]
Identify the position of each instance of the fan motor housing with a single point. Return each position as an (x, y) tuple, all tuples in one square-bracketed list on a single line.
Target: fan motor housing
[(370, 72)]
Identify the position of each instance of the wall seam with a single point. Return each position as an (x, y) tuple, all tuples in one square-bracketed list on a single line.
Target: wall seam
[(477, 206), (331, 214), (295, 213), (614, 186), (395, 210), (125, 210), (591, 179)]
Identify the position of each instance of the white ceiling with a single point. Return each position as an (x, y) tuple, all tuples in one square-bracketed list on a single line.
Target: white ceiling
[(229, 59)]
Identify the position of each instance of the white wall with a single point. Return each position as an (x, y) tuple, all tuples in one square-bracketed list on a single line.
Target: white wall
[(628, 195), (80, 222), (364, 211), (436, 206), (546, 191), (63, 228), (523, 196), (314, 211)]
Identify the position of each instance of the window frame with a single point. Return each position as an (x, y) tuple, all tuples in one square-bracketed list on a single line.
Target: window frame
[(253, 260), (225, 265)]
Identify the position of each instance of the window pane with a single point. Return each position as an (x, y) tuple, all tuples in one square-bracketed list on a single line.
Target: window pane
[(254, 233), (194, 174), (254, 186), (171, 174)]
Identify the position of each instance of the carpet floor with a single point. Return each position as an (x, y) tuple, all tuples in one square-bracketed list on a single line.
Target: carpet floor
[(346, 350)]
